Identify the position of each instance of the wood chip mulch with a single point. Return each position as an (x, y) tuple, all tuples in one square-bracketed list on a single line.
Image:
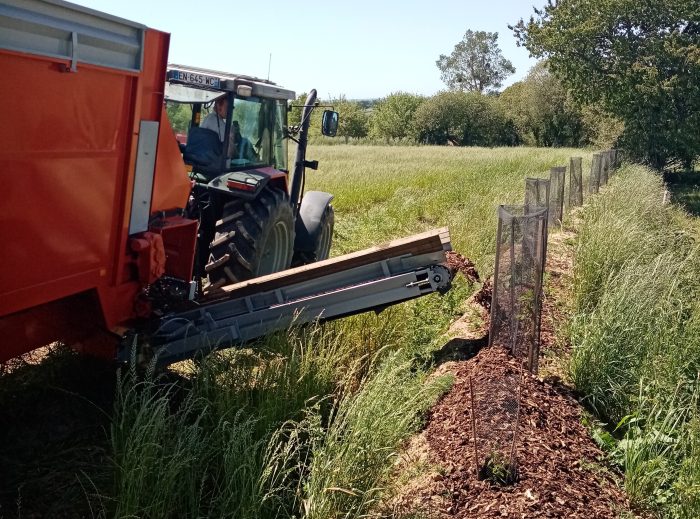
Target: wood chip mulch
[(455, 262), (560, 473)]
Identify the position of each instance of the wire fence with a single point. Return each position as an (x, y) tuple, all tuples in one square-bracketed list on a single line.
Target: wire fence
[(537, 195), (557, 184), (596, 166), (604, 168), (536, 192), (495, 402), (515, 326), (517, 283)]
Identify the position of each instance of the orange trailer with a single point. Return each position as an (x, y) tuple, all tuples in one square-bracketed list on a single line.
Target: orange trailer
[(83, 110), (108, 231)]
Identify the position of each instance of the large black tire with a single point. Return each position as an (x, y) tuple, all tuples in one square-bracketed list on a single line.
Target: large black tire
[(253, 238), (323, 244)]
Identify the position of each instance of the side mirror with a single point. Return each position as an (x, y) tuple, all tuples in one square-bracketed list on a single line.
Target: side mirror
[(329, 126)]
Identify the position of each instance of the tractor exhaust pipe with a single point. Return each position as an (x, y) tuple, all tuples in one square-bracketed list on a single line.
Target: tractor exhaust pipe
[(300, 161)]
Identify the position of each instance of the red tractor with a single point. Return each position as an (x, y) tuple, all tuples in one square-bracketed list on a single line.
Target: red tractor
[(113, 227), (254, 217)]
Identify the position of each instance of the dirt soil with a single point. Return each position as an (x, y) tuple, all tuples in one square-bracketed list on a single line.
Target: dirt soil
[(560, 470)]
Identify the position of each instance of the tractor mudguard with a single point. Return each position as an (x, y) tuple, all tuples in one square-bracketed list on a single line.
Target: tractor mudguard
[(308, 224)]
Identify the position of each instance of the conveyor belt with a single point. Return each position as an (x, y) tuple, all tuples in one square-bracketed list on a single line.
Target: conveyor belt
[(371, 279)]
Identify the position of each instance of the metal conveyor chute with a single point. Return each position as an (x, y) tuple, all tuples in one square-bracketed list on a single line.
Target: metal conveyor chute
[(371, 279)]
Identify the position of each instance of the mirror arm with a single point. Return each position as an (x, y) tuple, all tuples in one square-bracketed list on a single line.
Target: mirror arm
[(315, 105), (290, 132), (308, 116)]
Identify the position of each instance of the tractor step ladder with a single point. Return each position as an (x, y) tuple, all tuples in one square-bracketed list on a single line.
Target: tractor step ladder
[(371, 279)]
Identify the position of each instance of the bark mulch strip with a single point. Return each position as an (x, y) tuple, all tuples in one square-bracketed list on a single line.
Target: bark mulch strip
[(560, 473)]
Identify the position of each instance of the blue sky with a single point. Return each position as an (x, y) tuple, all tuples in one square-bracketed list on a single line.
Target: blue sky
[(363, 49)]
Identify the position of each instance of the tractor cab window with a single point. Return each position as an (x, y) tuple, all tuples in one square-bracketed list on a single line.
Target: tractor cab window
[(257, 128), (180, 115), (180, 104), (279, 135), (247, 132)]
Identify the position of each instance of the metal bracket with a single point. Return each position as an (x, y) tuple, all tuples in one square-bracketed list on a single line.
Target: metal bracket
[(74, 52), (329, 295)]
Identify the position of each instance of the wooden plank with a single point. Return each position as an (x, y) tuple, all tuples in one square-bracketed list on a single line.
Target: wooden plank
[(445, 238), (423, 243)]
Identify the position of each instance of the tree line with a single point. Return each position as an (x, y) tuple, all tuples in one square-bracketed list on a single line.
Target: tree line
[(622, 73), (536, 111)]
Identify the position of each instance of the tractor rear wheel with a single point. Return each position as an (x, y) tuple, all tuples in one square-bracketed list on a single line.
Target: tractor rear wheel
[(253, 238)]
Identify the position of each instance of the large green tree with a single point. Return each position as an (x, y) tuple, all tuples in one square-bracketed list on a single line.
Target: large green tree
[(392, 117), (463, 119), (543, 111), (476, 63), (637, 59), (353, 119)]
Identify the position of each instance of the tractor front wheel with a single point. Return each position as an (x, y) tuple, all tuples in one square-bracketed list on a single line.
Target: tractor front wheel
[(253, 238), (323, 241)]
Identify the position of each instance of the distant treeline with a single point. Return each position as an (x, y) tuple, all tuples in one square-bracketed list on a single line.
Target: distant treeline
[(536, 111)]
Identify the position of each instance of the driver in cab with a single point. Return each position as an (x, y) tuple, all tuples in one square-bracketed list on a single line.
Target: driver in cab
[(239, 147)]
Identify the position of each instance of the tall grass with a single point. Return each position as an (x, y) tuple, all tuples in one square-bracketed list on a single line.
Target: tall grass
[(351, 457), (306, 424), (636, 335), (383, 192), (218, 445)]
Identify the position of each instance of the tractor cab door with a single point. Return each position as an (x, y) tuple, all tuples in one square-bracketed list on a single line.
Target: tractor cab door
[(258, 133), (186, 108)]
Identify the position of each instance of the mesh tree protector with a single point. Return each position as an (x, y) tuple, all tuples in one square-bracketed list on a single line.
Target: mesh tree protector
[(575, 182), (604, 167), (517, 285), (557, 185), (515, 326), (596, 164)]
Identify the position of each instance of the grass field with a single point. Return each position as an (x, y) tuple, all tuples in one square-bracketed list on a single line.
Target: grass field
[(384, 192), (307, 423)]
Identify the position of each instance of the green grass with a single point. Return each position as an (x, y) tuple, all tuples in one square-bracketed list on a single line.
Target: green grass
[(635, 333), (384, 192), (298, 427), (685, 189), (307, 424)]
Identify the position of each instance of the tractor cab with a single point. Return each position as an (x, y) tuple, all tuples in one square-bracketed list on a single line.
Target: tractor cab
[(254, 218), (226, 122)]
